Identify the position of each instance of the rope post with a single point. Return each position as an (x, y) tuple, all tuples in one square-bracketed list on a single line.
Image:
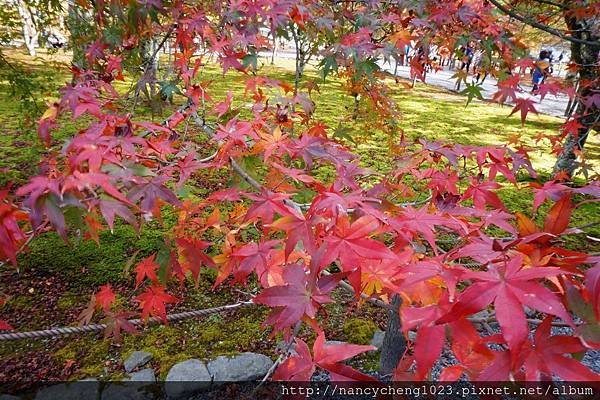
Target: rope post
[(394, 344)]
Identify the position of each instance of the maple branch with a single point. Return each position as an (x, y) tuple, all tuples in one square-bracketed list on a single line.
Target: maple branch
[(282, 357), (347, 287), (238, 168), (162, 42), (542, 27), (552, 3), (241, 172), (209, 158)]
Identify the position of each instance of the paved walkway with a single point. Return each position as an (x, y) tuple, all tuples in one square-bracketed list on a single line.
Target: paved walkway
[(551, 105)]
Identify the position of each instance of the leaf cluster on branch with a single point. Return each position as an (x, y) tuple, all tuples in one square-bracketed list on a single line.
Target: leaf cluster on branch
[(354, 228)]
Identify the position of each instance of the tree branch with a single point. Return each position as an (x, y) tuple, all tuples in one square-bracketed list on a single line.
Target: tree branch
[(542, 27), (552, 3)]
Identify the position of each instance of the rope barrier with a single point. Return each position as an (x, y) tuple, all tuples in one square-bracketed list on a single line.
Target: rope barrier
[(69, 330)]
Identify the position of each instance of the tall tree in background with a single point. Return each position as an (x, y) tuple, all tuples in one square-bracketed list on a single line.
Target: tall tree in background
[(578, 23), (31, 34)]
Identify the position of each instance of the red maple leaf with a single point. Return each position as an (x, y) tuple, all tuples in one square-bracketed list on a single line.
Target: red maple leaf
[(193, 256), (146, 269), (559, 216), (509, 287), (187, 167), (545, 357), (330, 356), (350, 243), (426, 269), (110, 209), (422, 221), (551, 87), (430, 337), (266, 204), (298, 367), (572, 126), (592, 284), (117, 322), (507, 89), (221, 108), (105, 297), (300, 296), (153, 300), (481, 193), (11, 234), (301, 366), (5, 326), (472, 352), (298, 228), (525, 106), (253, 257), (230, 59), (550, 190)]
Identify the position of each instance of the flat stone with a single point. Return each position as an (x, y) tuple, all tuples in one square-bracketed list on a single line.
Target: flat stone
[(144, 375), (137, 359), (9, 397), (243, 367), (377, 339), (85, 389), (187, 377)]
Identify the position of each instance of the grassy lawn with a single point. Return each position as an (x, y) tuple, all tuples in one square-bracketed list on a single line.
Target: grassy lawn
[(68, 274)]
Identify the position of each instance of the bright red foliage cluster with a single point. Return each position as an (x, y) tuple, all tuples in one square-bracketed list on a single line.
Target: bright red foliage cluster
[(353, 228)]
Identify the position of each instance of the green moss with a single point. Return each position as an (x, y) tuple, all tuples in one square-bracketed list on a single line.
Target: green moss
[(93, 356), (70, 300), (204, 339), (22, 302), (367, 362), (359, 330), (84, 263)]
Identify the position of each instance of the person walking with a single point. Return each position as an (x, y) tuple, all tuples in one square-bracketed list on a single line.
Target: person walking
[(467, 58), (541, 70)]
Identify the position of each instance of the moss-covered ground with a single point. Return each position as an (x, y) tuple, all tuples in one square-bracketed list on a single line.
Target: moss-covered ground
[(57, 279)]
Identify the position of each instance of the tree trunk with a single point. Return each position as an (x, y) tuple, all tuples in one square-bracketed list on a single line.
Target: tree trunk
[(79, 23), (30, 32), (148, 81), (586, 57), (274, 53), (394, 344)]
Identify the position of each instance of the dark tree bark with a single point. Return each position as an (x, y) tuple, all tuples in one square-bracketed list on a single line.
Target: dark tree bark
[(584, 36), (586, 56), (394, 344)]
